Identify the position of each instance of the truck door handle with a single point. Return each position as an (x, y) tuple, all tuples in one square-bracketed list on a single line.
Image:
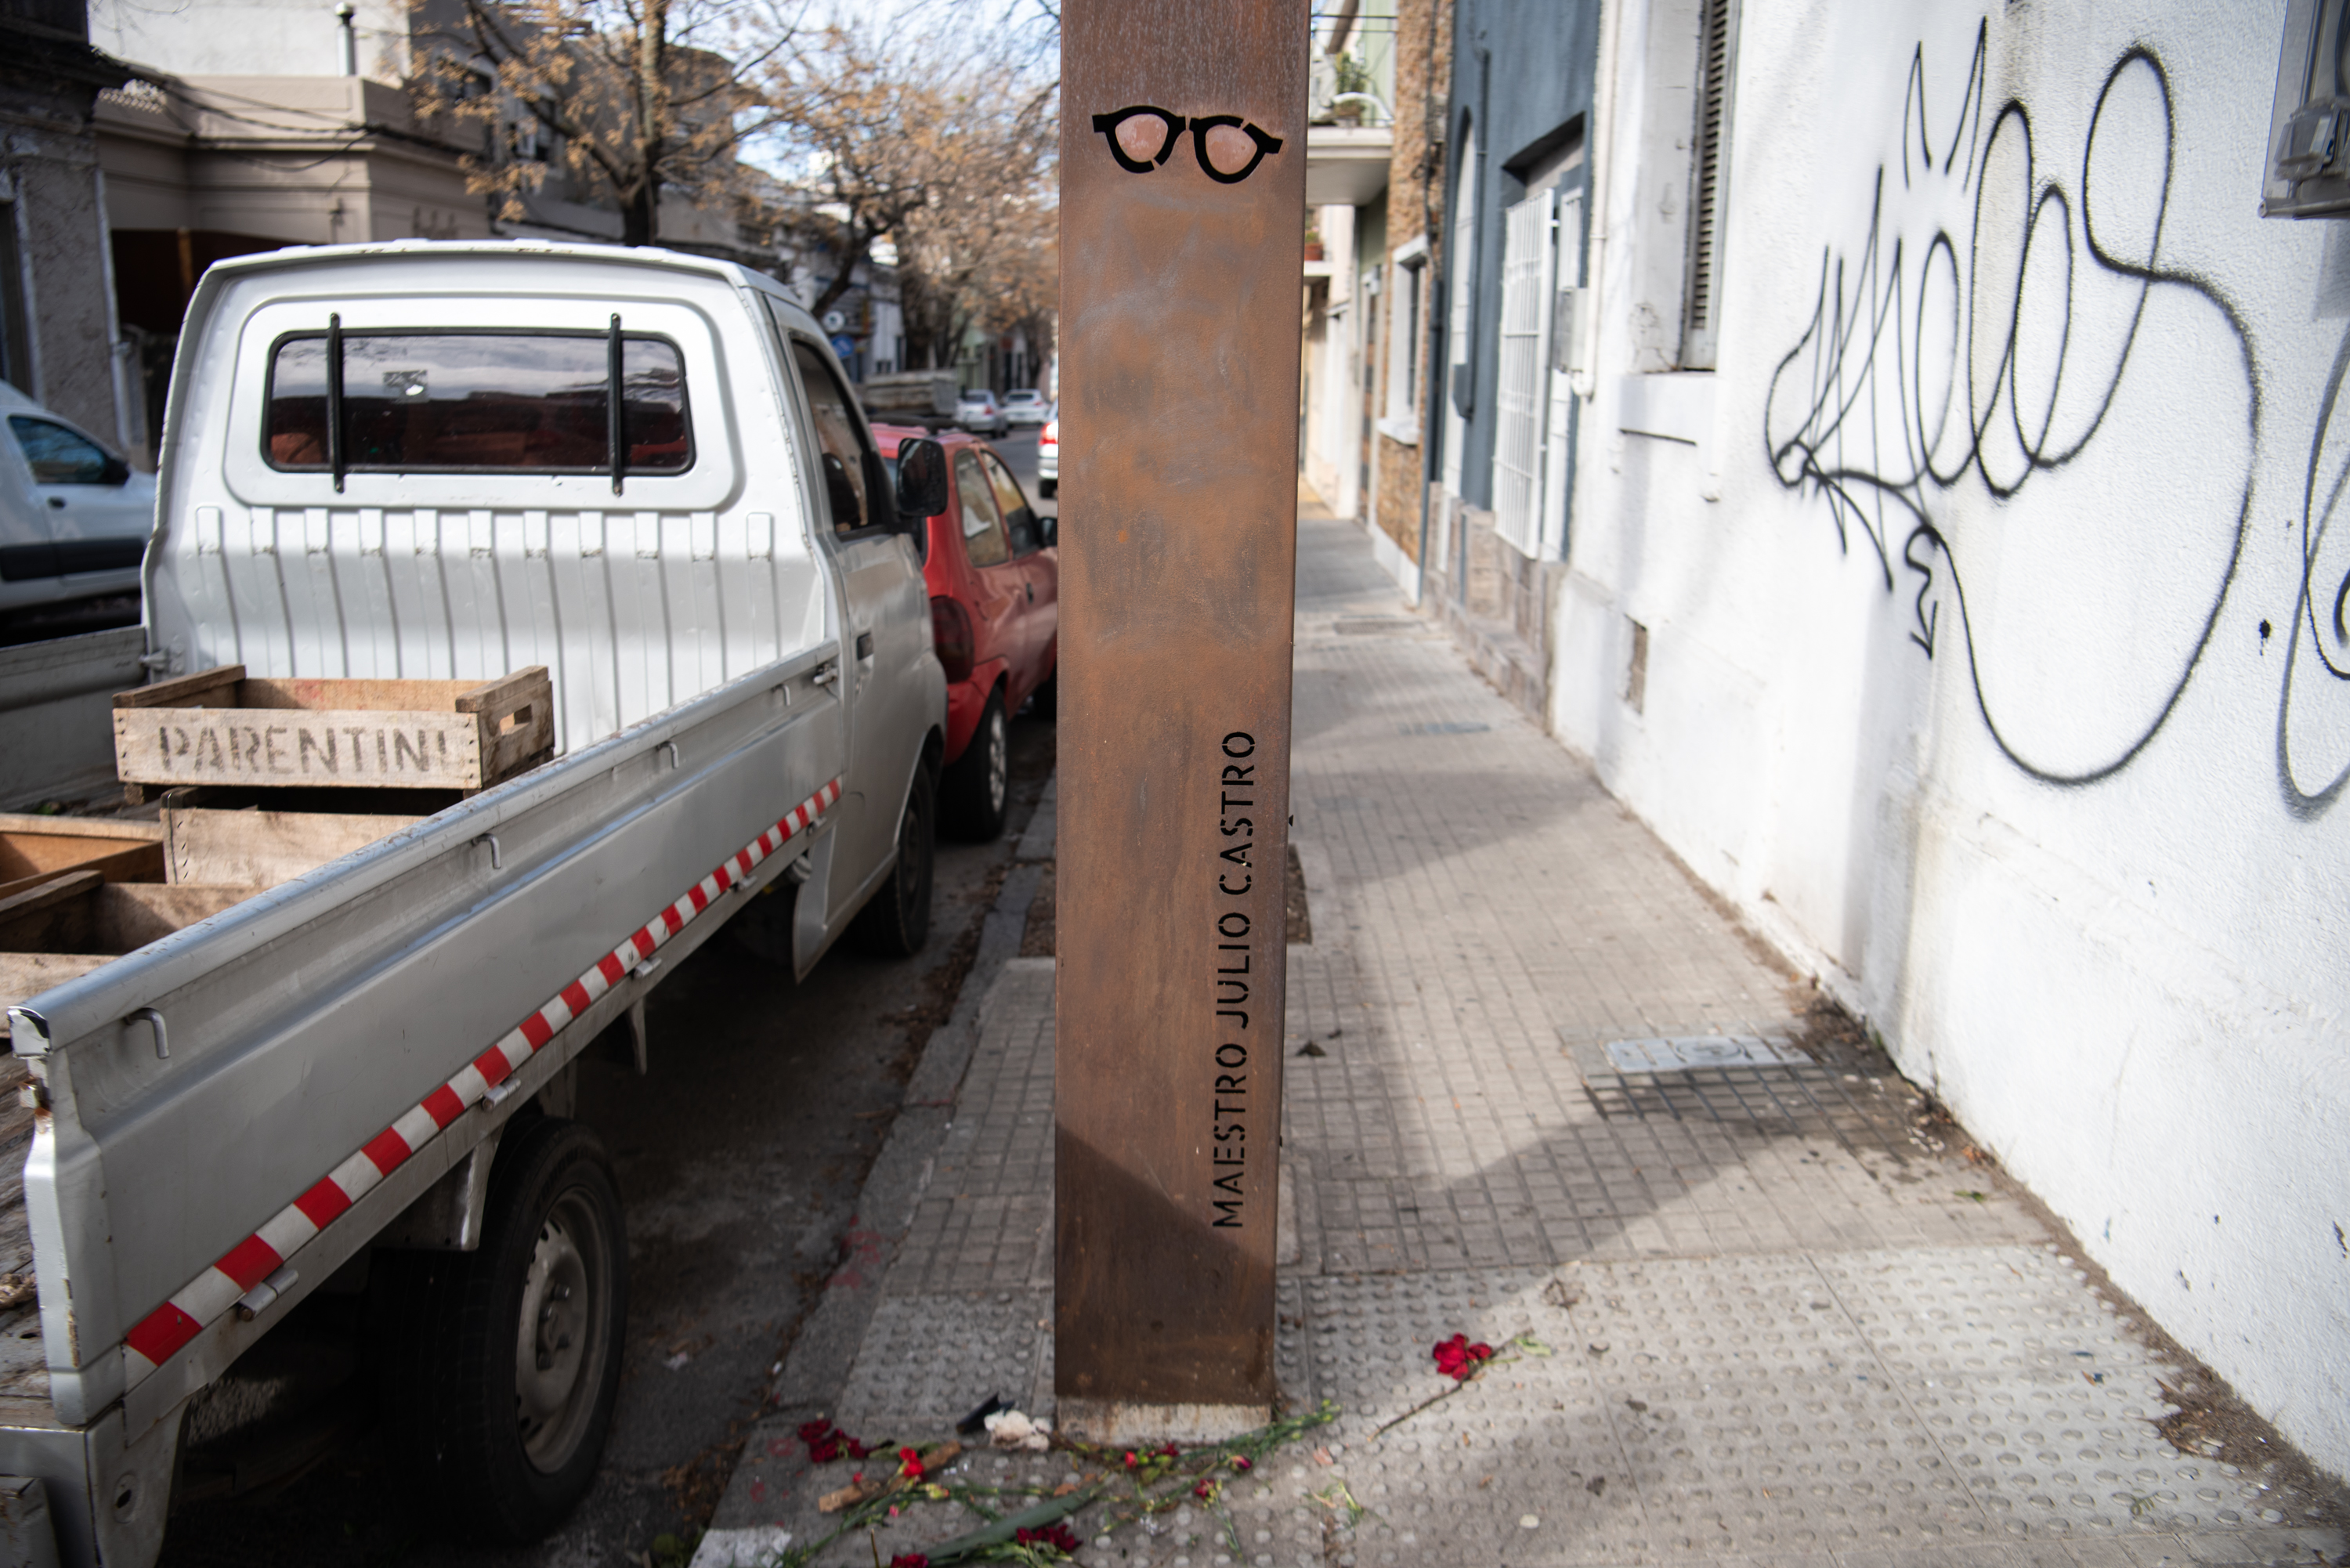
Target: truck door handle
[(58, 501), (864, 645)]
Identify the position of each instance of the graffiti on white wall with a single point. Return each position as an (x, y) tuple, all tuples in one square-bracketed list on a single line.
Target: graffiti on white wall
[(2039, 422), (2313, 718)]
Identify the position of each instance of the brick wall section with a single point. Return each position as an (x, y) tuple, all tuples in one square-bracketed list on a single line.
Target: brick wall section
[(1415, 205)]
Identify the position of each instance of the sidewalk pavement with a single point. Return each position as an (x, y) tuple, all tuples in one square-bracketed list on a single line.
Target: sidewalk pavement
[(1788, 1327)]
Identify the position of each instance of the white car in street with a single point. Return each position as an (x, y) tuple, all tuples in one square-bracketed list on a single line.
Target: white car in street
[(74, 517), (1048, 453), (1026, 407), (979, 412)]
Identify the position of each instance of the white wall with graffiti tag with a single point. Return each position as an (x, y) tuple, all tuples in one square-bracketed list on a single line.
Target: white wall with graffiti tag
[(1991, 602)]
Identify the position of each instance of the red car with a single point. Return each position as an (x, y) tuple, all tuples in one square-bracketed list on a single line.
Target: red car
[(995, 576)]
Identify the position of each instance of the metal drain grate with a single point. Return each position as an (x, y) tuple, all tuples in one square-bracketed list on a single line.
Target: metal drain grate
[(1444, 727), (1679, 1054), (1377, 626)]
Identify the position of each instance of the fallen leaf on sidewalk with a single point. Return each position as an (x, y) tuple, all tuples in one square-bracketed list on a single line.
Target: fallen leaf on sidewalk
[(1310, 1049), (1064, 1488)]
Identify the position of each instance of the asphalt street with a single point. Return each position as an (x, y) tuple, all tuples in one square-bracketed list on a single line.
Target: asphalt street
[(739, 1157)]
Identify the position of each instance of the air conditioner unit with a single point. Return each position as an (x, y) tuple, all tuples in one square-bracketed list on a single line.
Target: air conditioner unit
[(2308, 172)]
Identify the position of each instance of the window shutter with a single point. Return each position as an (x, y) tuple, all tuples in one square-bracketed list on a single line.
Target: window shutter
[(1708, 174)]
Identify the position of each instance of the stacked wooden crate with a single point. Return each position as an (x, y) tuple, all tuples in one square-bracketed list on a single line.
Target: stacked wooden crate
[(225, 749)]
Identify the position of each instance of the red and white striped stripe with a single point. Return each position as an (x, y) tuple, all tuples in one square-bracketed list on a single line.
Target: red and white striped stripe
[(164, 1332)]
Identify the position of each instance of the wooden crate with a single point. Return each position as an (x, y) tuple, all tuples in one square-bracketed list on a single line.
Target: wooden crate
[(261, 850), (74, 923), (33, 850), (219, 727)]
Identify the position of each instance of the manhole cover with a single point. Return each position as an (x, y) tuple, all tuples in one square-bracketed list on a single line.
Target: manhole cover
[(1682, 1052), (1449, 727)]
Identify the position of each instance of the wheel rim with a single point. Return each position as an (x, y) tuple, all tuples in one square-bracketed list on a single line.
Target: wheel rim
[(559, 1341), (999, 769)]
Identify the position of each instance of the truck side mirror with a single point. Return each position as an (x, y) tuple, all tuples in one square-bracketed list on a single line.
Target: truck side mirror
[(921, 479)]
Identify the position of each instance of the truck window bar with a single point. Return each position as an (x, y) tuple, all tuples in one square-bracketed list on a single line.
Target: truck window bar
[(335, 398), (613, 409)]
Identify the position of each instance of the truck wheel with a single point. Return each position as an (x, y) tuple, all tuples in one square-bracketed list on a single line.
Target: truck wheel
[(897, 921), (1044, 702), (978, 784), (505, 1362)]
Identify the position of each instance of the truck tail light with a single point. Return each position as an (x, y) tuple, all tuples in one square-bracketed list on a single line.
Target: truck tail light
[(950, 633), (1052, 436)]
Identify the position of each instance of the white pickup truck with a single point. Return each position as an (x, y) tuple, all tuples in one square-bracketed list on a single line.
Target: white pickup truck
[(344, 1094)]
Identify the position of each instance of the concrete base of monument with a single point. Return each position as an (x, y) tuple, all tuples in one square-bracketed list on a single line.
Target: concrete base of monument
[(1116, 1422)]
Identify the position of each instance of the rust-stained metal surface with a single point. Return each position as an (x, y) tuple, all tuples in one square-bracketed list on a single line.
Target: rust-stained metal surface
[(1181, 246)]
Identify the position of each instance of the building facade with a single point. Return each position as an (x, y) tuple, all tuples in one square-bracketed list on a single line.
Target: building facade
[(58, 337), (1502, 441), (275, 123), (1948, 571), (1351, 145)]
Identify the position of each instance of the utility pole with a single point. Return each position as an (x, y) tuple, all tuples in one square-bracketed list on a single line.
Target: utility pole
[(1182, 236)]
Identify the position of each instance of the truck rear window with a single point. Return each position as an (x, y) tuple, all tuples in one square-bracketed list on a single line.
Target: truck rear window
[(514, 403)]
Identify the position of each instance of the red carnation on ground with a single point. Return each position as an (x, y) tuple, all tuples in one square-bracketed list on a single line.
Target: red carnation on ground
[(910, 1559), (909, 1463), (1133, 1460), (827, 1442), (1059, 1537), (1458, 1359)]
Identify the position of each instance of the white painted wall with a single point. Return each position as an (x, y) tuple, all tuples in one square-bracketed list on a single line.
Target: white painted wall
[(251, 37), (2083, 866), (1333, 440)]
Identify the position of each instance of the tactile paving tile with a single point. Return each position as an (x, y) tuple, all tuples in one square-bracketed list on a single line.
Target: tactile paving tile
[(984, 1219), (2032, 1386), (928, 1360)]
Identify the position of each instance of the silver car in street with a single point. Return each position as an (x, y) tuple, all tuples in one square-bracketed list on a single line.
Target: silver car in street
[(980, 413), (74, 517)]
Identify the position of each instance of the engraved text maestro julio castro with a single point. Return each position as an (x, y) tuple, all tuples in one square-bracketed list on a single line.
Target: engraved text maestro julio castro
[(1182, 211)]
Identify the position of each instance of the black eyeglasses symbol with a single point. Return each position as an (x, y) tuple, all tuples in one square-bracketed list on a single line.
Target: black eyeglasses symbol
[(1218, 141)]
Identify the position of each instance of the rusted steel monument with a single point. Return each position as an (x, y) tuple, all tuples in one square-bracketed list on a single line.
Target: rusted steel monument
[(1182, 225)]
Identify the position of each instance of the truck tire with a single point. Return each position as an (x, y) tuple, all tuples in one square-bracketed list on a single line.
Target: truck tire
[(896, 922), (1044, 702), (504, 1363), (978, 784)]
